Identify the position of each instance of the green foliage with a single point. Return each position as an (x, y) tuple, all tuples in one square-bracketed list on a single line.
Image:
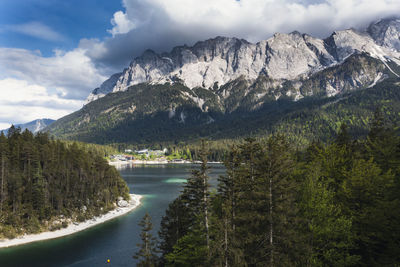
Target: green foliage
[(195, 199), (174, 225), (328, 232), (42, 179), (329, 205), (147, 254), (190, 250)]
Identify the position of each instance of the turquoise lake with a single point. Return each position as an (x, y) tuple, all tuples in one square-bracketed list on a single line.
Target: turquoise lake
[(115, 240)]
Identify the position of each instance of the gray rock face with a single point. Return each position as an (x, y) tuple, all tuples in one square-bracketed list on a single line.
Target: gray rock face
[(213, 63), (386, 32), (105, 88)]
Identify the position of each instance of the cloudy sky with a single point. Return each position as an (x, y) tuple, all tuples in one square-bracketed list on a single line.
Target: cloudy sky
[(54, 52)]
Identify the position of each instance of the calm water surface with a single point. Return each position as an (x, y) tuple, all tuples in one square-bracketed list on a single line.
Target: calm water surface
[(115, 240)]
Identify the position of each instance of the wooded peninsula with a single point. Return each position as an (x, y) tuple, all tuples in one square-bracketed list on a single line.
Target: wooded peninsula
[(46, 184)]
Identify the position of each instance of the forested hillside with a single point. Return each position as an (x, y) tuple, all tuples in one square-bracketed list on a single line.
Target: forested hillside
[(311, 118), (330, 205), (46, 184)]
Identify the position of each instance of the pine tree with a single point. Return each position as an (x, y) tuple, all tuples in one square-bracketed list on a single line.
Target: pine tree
[(3, 171), (196, 198), (382, 143), (174, 225), (374, 212), (203, 176), (343, 138), (225, 227), (260, 181), (147, 254), (277, 190), (328, 238)]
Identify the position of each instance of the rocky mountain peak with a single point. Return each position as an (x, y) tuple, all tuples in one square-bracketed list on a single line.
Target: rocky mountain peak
[(283, 57)]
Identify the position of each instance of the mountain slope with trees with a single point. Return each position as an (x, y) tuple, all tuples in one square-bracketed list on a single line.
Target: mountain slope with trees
[(314, 117)]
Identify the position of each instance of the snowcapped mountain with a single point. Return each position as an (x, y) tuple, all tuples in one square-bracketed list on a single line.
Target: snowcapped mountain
[(229, 87), (33, 126), (216, 62)]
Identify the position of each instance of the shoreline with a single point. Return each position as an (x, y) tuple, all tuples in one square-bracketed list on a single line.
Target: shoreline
[(73, 228), (155, 162)]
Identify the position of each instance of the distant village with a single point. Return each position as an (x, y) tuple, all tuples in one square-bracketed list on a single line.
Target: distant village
[(146, 156)]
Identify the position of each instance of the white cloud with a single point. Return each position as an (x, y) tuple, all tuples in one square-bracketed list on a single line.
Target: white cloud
[(121, 23), (22, 102), (258, 19), (71, 73), (33, 86), (4, 126), (160, 24), (62, 81), (37, 30)]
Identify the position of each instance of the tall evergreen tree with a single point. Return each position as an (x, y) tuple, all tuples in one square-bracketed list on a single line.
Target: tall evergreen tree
[(265, 211), (343, 138), (276, 179), (327, 232), (196, 197), (174, 225), (382, 143), (231, 250), (147, 254), (3, 171), (370, 204)]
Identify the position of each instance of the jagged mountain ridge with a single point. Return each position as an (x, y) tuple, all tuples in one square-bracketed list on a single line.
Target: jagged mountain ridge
[(283, 57), (250, 94)]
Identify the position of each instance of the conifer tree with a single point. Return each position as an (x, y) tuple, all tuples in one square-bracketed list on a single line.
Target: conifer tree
[(174, 225), (343, 138), (196, 199), (147, 254), (3, 170), (370, 204), (328, 238), (277, 189), (196, 192), (228, 191), (382, 143)]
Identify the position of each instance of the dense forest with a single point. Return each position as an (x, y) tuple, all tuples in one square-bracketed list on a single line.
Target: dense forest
[(327, 205), (46, 184)]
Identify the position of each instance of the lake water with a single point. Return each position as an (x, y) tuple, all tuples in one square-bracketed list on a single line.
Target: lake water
[(115, 240)]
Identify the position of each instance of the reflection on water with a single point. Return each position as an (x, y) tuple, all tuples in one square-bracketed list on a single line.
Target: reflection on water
[(175, 180), (115, 240)]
